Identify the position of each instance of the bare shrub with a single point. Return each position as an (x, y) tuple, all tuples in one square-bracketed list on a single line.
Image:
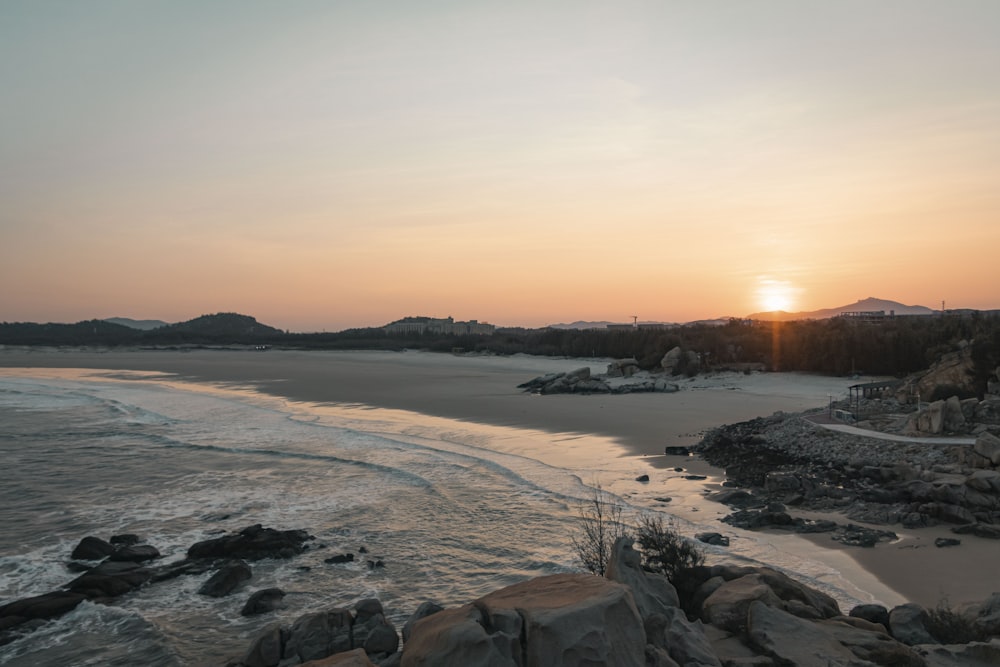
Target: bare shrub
[(949, 626), (601, 523), (665, 550)]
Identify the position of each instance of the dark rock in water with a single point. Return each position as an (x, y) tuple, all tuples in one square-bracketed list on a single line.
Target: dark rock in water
[(77, 567), (695, 478), (92, 548), (135, 554), (227, 579), (676, 451), (642, 478), (264, 601), (49, 605), (176, 569), (340, 558), (664, 499), (125, 540), (253, 543), (947, 542), (362, 550), (678, 469), (373, 564), (110, 579), (715, 539)]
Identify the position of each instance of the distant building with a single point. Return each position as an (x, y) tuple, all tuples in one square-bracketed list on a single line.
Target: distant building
[(868, 316), (446, 326)]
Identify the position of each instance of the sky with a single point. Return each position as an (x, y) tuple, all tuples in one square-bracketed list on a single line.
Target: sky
[(326, 165)]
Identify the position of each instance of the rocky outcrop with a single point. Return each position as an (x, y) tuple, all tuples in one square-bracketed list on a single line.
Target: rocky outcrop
[(331, 637), (562, 619), (581, 381), (253, 543), (788, 460), (230, 575), (678, 361), (127, 566)]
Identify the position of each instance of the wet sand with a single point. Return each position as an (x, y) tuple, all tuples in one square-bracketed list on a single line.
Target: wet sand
[(483, 389)]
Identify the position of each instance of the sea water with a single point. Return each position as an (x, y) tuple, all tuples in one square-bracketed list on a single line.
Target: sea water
[(453, 510)]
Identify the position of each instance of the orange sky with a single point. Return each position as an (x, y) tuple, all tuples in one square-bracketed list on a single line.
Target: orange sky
[(327, 165)]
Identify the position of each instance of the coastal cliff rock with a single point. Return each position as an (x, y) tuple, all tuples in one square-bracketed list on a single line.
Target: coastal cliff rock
[(562, 619), (788, 460), (743, 616)]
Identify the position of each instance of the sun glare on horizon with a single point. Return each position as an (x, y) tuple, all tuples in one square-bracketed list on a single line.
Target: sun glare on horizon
[(774, 295)]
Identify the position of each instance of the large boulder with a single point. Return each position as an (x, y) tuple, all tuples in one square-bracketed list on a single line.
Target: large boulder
[(908, 624), (264, 601), (92, 548), (110, 579), (652, 592), (953, 417), (226, 579), (988, 446), (553, 621), (318, 635), (355, 658), (684, 641), (795, 641)]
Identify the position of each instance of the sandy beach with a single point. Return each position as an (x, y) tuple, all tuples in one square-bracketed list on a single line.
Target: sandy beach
[(483, 389)]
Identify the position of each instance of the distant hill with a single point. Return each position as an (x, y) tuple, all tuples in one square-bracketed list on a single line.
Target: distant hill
[(141, 325), (869, 304), (231, 325)]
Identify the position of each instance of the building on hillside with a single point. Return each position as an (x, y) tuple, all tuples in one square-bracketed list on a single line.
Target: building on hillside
[(446, 326), (868, 316)]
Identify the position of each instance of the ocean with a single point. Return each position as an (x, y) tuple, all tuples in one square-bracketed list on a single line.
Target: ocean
[(453, 509)]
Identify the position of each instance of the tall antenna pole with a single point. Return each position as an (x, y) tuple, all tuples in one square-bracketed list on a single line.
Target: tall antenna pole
[(635, 321)]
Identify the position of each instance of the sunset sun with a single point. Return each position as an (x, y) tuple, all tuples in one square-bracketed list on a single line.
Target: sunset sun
[(773, 295)]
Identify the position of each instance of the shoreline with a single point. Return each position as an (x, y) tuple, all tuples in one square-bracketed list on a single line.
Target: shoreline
[(482, 390)]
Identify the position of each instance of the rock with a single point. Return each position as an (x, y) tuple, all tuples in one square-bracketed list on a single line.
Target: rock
[(318, 635), (47, 606), (728, 605), (947, 542), (869, 642), (715, 539), (355, 658), (227, 579), (873, 613), (425, 609), (92, 548), (975, 654), (623, 368), (110, 579), (266, 648), (642, 478), (135, 553), (377, 636), (264, 601), (676, 450), (988, 531), (954, 418), (558, 620), (652, 592), (253, 543), (794, 641), (908, 624), (685, 641), (988, 446), (340, 558), (125, 540)]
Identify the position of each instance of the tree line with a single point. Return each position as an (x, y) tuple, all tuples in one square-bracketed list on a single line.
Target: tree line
[(836, 346)]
